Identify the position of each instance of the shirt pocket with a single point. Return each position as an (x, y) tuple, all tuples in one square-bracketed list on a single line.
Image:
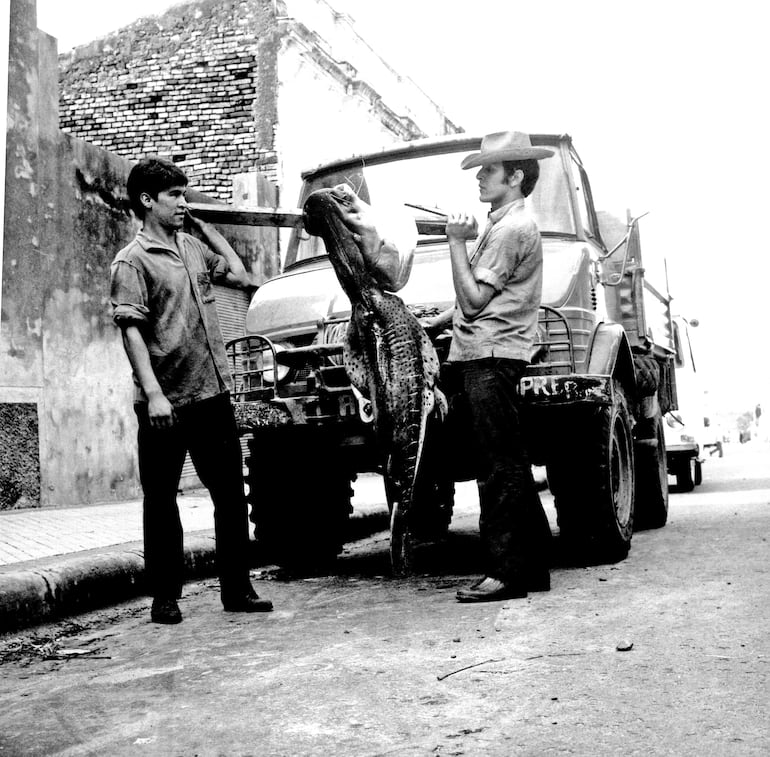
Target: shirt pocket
[(205, 288)]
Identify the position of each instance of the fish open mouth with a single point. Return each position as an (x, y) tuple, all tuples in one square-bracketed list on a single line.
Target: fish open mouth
[(320, 208), (323, 216)]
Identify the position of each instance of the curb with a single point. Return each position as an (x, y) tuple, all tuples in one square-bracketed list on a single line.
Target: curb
[(73, 584), (50, 590)]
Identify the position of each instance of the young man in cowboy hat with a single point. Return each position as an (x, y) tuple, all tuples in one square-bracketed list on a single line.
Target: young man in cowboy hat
[(498, 288)]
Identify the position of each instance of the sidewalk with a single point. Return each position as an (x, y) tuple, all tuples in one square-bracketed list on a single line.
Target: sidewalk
[(58, 561)]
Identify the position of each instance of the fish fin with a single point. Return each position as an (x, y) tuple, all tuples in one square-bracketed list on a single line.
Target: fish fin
[(441, 406), (354, 358)]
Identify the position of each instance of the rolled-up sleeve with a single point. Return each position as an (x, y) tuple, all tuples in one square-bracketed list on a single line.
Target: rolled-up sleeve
[(128, 294), (498, 258), (488, 276), (507, 247)]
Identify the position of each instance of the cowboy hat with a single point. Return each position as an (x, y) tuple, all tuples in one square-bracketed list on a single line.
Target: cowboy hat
[(505, 145)]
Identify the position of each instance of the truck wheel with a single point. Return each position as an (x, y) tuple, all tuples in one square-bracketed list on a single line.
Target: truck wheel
[(685, 480), (594, 486), (698, 474), (300, 499), (651, 504)]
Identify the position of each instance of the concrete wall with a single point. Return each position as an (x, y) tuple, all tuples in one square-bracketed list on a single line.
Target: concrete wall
[(65, 215), (67, 427)]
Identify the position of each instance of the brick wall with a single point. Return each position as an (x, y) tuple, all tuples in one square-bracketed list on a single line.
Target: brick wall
[(193, 85)]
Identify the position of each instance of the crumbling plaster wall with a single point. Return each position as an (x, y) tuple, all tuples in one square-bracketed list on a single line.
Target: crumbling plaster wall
[(336, 34), (62, 371), (320, 117)]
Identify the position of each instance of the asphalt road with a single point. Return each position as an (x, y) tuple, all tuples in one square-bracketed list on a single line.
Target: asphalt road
[(665, 653)]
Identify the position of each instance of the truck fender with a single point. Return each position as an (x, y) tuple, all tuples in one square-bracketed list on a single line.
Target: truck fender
[(609, 354)]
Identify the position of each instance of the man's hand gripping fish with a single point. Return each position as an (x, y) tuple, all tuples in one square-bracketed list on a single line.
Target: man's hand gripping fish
[(387, 354)]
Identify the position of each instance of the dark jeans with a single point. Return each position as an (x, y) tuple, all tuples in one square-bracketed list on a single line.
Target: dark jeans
[(484, 423), (208, 431)]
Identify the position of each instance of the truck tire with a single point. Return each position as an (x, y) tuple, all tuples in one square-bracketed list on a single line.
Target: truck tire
[(685, 479), (698, 473), (651, 504), (593, 485), (300, 499)]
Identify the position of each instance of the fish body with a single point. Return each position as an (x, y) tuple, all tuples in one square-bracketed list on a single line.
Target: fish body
[(387, 354)]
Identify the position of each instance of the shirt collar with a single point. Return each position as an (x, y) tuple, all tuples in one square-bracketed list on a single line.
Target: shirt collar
[(149, 242), (496, 215)]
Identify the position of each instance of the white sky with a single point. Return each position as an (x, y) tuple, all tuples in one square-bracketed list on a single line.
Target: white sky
[(666, 103)]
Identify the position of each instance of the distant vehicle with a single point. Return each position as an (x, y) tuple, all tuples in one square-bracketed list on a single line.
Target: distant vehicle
[(688, 429)]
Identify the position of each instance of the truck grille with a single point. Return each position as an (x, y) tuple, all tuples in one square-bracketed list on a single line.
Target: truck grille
[(252, 365)]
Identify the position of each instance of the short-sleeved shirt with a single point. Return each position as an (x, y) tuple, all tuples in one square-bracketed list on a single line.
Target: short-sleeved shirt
[(508, 256), (168, 295)]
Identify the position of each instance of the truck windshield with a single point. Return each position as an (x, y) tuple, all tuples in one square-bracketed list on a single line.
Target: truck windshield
[(429, 186)]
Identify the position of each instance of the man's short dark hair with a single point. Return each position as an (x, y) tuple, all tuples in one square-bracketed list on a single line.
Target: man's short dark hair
[(530, 169), (152, 175)]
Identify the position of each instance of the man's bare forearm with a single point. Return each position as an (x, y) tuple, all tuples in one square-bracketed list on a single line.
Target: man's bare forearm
[(237, 275), (139, 357), (160, 410)]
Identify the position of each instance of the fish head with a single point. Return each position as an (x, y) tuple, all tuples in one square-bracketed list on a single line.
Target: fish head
[(344, 222)]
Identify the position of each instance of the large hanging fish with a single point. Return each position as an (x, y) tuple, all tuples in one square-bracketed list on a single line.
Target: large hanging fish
[(387, 354)]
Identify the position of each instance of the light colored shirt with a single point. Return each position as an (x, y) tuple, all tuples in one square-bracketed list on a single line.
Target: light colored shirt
[(508, 256), (168, 295)]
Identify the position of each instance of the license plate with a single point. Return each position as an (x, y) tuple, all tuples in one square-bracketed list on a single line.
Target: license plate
[(566, 389)]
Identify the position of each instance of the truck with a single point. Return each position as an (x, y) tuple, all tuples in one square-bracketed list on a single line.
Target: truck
[(593, 399)]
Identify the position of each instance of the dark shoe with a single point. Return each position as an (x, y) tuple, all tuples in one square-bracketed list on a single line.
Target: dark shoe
[(249, 602), (165, 611), (491, 590)]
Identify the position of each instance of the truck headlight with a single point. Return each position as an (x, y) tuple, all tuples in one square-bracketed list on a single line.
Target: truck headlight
[(272, 372)]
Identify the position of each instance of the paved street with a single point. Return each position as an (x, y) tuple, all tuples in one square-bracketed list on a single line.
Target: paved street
[(664, 653)]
